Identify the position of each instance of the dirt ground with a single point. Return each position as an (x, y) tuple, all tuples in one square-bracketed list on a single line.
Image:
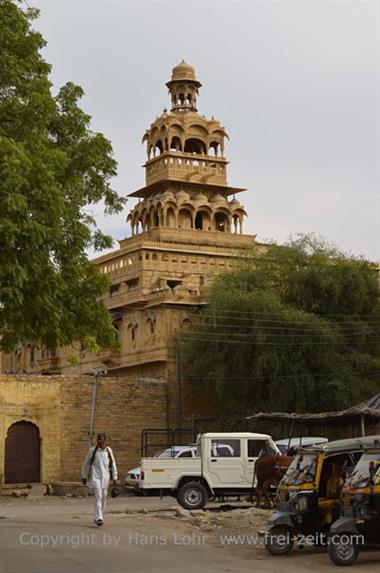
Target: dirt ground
[(57, 535)]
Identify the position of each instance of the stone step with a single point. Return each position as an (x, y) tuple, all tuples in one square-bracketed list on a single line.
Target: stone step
[(68, 489), (15, 489), (14, 485)]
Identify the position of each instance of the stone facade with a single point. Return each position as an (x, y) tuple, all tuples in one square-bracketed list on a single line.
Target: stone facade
[(60, 407), (186, 228)]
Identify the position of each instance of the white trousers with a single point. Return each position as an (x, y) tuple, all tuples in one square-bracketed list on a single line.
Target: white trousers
[(100, 501)]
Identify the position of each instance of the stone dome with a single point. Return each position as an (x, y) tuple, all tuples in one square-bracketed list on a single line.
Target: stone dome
[(182, 195), (167, 196), (235, 204), (200, 198), (183, 71), (218, 198)]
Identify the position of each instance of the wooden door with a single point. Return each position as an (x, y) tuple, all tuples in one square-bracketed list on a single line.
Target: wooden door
[(22, 453)]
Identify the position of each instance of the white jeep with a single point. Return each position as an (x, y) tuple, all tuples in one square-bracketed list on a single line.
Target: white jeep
[(223, 466)]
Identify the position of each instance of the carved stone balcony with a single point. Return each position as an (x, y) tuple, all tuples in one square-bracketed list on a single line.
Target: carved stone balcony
[(187, 167)]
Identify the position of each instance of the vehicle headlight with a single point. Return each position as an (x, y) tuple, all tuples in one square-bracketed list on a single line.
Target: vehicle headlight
[(292, 504), (302, 503), (299, 503)]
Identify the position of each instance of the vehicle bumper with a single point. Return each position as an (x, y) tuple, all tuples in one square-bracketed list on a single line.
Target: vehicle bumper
[(132, 484)]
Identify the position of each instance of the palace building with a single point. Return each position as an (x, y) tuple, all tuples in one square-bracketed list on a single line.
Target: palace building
[(186, 227)]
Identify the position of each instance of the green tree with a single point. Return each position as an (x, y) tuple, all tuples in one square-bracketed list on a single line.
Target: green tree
[(294, 329), (52, 167)]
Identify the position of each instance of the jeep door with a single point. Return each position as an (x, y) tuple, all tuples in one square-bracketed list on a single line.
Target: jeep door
[(223, 462)]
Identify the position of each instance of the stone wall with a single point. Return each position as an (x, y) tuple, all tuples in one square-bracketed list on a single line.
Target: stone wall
[(61, 408)]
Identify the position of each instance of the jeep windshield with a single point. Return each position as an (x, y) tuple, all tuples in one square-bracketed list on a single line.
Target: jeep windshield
[(302, 470), (366, 472)]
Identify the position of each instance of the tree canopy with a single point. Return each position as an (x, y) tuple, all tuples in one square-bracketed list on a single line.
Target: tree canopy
[(52, 168), (294, 329)]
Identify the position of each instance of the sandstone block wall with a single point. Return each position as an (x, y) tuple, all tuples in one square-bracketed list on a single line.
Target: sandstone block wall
[(60, 406)]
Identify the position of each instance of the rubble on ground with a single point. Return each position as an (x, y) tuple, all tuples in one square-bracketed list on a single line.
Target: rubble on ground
[(37, 491)]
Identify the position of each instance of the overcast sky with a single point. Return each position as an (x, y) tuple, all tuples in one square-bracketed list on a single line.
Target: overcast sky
[(295, 83)]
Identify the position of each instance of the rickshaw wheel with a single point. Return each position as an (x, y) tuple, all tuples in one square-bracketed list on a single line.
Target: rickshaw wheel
[(343, 551), (279, 540)]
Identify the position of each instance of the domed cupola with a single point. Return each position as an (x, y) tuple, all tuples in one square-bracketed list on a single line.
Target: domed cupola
[(183, 71), (183, 88), (200, 198), (182, 196), (167, 196), (218, 199), (235, 204)]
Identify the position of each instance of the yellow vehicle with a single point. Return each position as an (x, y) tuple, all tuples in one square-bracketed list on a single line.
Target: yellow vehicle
[(308, 495), (359, 521)]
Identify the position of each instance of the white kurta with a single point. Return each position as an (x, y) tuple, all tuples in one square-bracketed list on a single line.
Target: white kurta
[(100, 468), (100, 476)]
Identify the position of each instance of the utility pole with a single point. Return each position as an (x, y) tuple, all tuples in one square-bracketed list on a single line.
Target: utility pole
[(96, 373), (178, 383)]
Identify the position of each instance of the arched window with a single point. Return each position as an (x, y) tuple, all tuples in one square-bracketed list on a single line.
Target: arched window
[(221, 222), (184, 219), (202, 221), (194, 145), (170, 217), (176, 143), (151, 325), (117, 324), (214, 145), (159, 146), (236, 223), (132, 329)]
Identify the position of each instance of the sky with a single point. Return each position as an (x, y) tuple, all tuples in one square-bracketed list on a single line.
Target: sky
[(295, 83)]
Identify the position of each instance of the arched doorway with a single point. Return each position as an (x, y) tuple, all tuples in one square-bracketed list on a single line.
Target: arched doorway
[(22, 453)]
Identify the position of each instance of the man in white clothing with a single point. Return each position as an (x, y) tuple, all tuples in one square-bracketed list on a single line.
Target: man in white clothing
[(100, 463)]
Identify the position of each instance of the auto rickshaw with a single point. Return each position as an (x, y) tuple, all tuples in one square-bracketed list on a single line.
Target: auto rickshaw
[(308, 495), (359, 521)]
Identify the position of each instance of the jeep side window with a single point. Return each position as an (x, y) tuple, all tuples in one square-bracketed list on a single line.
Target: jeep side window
[(225, 448), (258, 448)]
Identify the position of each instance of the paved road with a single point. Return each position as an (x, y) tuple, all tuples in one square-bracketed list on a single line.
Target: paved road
[(57, 535)]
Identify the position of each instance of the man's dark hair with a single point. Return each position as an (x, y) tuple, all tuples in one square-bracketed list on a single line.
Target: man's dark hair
[(102, 435)]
